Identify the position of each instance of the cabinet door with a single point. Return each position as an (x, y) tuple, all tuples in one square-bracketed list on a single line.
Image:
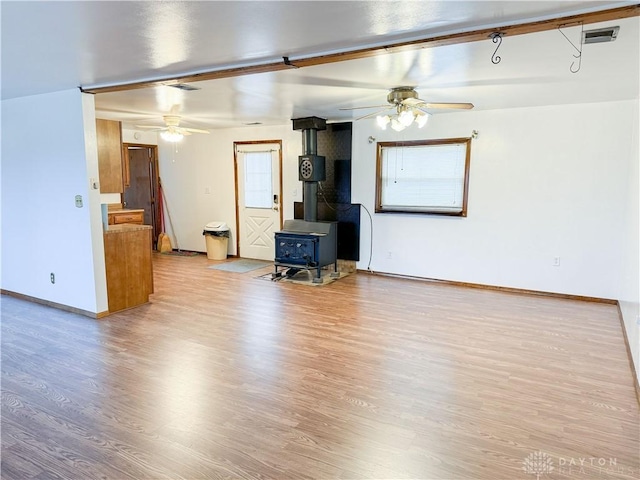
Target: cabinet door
[(128, 268), (109, 156)]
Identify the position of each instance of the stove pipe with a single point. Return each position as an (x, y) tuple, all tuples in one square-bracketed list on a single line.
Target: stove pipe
[(310, 138), (311, 166), (310, 195)]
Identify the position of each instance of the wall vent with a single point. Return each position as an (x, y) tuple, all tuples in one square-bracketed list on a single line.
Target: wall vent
[(600, 35)]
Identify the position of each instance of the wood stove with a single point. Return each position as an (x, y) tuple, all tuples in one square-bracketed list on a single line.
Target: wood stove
[(308, 244)]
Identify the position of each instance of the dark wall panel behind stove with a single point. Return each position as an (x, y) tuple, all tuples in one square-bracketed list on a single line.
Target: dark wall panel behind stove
[(334, 194), (334, 144), (348, 218)]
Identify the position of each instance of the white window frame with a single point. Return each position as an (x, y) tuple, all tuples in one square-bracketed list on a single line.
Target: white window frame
[(460, 181)]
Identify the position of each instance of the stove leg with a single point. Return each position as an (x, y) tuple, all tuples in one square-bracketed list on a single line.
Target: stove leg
[(336, 273), (276, 274), (318, 277)]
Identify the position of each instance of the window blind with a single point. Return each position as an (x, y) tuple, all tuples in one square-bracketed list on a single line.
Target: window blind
[(258, 184)]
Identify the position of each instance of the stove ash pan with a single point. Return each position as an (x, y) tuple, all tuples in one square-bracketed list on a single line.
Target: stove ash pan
[(306, 245)]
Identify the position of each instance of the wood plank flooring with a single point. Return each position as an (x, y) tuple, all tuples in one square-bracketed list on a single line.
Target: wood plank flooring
[(226, 375)]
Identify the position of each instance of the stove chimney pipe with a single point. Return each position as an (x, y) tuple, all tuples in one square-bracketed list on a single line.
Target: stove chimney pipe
[(310, 141), (311, 166)]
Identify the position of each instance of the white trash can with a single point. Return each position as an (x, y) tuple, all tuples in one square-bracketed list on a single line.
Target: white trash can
[(216, 235)]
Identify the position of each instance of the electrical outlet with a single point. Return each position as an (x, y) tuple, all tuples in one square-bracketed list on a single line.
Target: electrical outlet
[(556, 261), (389, 255), (53, 277), (207, 190), (78, 201)]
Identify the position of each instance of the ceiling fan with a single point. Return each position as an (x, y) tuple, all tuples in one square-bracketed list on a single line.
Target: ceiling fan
[(171, 131), (409, 108)]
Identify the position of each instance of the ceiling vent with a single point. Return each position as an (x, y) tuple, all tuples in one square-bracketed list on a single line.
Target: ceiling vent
[(600, 35), (185, 87)]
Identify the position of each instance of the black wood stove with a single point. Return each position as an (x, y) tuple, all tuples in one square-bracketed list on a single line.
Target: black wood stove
[(308, 244)]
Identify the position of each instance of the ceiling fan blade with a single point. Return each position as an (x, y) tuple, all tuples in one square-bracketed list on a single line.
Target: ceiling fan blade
[(465, 106), (371, 106), (374, 114), (413, 102), (150, 127), (194, 130)]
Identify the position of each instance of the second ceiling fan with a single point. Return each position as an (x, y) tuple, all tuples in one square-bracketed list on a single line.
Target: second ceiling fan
[(171, 131)]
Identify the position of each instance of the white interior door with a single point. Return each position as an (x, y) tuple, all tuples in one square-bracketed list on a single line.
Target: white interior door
[(259, 198)]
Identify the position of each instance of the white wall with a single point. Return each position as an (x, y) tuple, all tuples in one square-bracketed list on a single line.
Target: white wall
[(544, 182), (131, 135), (49, 154), (201, 163), (629, 297)]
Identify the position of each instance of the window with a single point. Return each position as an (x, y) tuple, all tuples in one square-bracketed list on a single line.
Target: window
[(258, 191), (425, 176)]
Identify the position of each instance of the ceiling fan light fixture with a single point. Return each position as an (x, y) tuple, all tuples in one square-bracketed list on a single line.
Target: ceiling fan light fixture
[(396, 125), (383, 121), (171, 136), (422, 118), (405, 117)]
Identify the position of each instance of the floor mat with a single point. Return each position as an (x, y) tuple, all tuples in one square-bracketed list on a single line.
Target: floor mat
[(241, 266)]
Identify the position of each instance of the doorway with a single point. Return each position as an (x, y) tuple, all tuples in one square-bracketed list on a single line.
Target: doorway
[(258, 176), (141, 183)]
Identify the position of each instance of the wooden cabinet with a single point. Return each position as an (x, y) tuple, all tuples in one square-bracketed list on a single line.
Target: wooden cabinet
[(126, 216), (109, 137), (127, 250)]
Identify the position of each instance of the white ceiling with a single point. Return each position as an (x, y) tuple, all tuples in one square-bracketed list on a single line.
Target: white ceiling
[(49, 46)]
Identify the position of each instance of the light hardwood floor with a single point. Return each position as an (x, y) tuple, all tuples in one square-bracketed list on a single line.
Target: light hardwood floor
[(225, 375)]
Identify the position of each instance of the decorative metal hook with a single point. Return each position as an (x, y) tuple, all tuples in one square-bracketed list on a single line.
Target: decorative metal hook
[(579, 57), (579, 50), (496, 37)]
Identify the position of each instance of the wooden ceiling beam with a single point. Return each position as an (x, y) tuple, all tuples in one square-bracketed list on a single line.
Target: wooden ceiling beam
[(430, 42)]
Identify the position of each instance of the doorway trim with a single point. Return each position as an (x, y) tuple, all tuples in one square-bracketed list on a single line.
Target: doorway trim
[(235, 175)]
